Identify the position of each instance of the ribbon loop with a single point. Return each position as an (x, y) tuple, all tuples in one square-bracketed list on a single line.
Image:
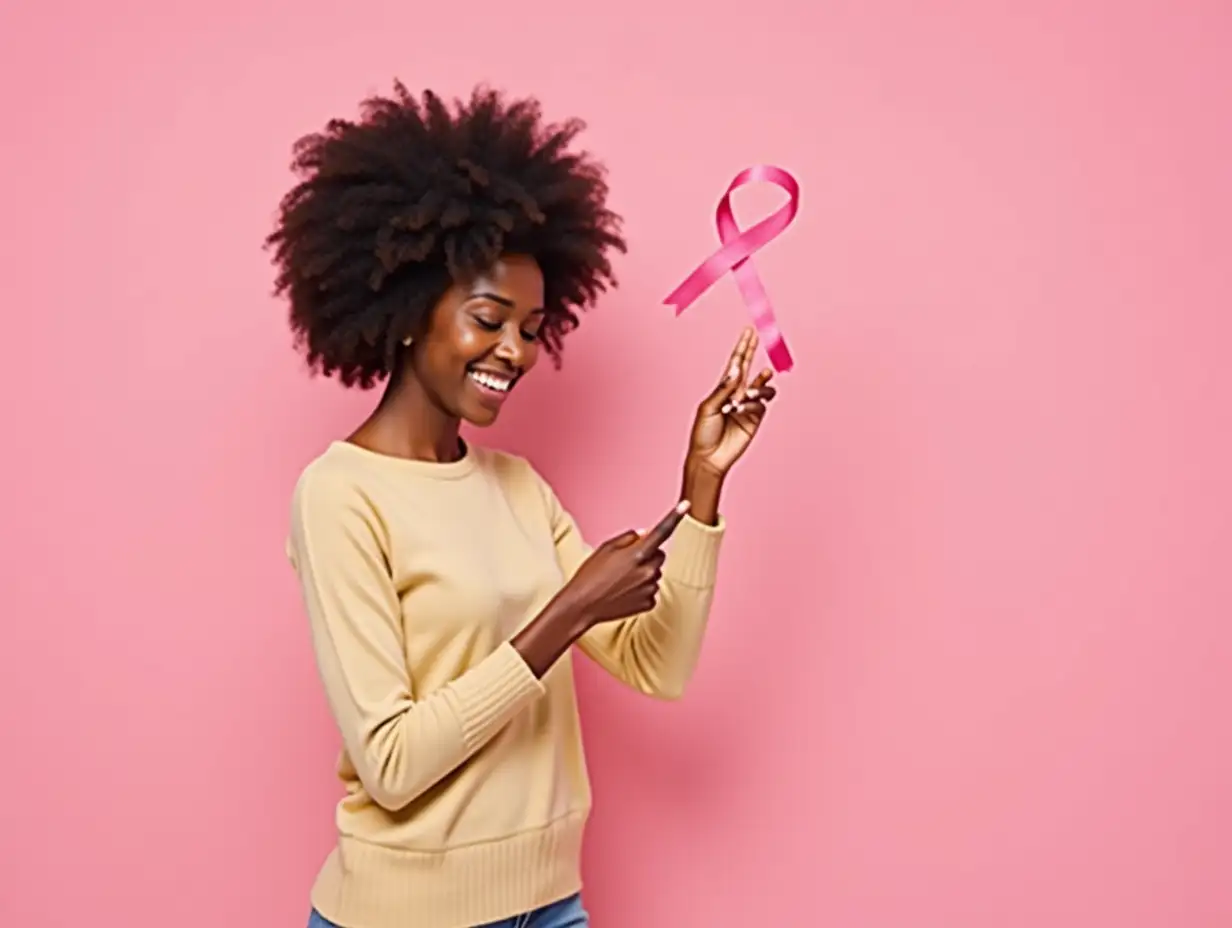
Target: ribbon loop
[(737, 248)]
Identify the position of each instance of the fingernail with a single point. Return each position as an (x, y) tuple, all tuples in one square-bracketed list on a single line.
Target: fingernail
[(736, 407), (733, 371), (683, 506), (726, 408), (752, 394)]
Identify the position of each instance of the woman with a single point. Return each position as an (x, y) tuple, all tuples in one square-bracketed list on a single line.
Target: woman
[(441, 249)]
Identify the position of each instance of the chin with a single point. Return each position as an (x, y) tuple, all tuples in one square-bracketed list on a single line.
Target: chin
[(480, 407), (480, 418)]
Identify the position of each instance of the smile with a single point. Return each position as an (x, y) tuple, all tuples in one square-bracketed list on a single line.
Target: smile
[(493, 382)]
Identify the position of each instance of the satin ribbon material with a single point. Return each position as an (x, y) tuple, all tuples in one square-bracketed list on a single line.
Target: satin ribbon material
[(738, 248)]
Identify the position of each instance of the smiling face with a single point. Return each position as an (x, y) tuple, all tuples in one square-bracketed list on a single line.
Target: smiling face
[(483, 337)]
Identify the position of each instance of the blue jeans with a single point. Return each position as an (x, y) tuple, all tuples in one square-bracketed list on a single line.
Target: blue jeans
[(568, 913)]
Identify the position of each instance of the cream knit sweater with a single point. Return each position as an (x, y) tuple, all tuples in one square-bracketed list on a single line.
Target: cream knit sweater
[(466, 791)]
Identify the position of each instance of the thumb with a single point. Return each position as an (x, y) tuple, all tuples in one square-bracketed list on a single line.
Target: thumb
[(624, 539)]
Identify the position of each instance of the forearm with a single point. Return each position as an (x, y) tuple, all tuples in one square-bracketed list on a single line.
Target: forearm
[(549, 635), (428, 739), (702, 486), (402, 746)]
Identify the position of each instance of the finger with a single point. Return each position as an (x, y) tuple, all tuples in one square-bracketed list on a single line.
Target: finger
[(753, 394), (652, 560), (744, 345), (762, 379), (746, 363), (737, 364), (623, 540), (655, 538), (733, 375), (735, 401), (750, 414), (750, 349)]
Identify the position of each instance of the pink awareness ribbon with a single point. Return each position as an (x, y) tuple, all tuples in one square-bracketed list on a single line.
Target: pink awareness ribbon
[(738, 248)]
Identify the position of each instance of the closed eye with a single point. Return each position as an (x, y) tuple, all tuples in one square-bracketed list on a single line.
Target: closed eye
[(489, 326)]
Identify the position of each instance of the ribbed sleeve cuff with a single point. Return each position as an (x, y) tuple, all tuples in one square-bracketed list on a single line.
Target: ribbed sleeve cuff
[(493, 692), (693, 553)]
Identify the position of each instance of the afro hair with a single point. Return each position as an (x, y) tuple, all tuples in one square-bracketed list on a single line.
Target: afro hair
[(394, 207)]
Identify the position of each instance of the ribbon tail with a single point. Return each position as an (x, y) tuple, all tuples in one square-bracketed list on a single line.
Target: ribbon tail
[(780, 357), (697, 283), (758, 303)]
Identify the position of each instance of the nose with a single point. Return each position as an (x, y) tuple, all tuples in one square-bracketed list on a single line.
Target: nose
[(512, 348)]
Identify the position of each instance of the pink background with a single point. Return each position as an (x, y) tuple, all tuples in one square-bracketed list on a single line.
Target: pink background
[(970, 659)]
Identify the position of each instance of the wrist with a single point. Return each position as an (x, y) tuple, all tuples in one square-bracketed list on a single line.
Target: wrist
[(550, 634), (569, 618), (702, 486)]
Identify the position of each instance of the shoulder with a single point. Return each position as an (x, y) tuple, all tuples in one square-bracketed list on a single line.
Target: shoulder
[(327, 476), (335, 523), (332, 490)]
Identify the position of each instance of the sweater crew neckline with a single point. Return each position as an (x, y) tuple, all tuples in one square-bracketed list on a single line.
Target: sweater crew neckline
[(438, 470)]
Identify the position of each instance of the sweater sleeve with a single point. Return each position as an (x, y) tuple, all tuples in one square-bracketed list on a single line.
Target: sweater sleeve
[(399, 745), (655, 652)]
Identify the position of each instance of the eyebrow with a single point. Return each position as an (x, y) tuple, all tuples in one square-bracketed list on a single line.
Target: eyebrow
[(503, 301), (485, 295)]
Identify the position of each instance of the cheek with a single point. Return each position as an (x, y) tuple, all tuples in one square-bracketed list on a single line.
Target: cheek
[(468, 342)]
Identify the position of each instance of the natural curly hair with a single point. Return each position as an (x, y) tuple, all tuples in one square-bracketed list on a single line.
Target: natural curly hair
[(391, 209)]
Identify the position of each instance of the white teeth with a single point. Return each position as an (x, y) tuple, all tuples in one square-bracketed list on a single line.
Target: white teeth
[(492, 383)]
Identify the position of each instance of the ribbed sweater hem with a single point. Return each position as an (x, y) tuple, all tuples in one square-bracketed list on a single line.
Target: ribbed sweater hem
[(364, 885)]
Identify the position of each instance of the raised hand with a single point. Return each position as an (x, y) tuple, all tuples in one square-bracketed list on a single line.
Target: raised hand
[(728, 419)]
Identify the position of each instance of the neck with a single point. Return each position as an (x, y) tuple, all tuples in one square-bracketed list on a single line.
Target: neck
[(408, 423)]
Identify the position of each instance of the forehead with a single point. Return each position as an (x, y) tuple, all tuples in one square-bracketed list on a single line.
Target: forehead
[(515, 277)]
